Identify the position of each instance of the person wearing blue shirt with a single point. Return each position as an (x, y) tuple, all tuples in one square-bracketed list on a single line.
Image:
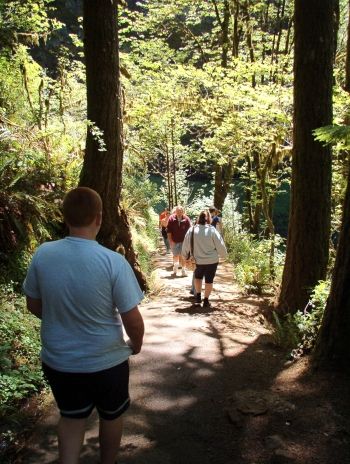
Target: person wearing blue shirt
[(215, 219), (84, 294)]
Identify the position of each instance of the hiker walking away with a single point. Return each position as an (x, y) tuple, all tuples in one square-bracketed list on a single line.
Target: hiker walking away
[(216, 220), (208, 246), (178, 225), (164, 231), (84, 294)]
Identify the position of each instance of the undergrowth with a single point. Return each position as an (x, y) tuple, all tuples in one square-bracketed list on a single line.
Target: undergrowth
[(20, 368), (298, 332), (251, 261)]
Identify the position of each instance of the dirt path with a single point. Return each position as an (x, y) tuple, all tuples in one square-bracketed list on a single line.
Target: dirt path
[(211, 387)]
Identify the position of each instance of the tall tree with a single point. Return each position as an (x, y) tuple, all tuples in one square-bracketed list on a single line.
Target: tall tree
[(347, 60), (309, 222), (103, 161), (333, 348)]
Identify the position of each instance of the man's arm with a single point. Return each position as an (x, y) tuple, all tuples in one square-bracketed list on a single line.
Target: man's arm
[(170, 236), (186, 245), (170, 239), (134, 327), (34, 306)]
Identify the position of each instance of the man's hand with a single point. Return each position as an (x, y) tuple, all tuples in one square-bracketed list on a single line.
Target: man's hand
[(135, 329), (171, 243)]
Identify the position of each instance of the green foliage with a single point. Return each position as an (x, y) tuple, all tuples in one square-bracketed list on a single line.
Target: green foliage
[(29, 206), (20, 368), (183, 106), (40, 154), (24, 21), (197, 201), (138, 198), (145, 240), (334, 135), (298, 332), (12, 98), (338, 136), (251, 261)]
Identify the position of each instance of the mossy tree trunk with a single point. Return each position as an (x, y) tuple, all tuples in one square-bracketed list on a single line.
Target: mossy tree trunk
[(333, 347), (347, 61), (103, 161), (309, 221), (222, 183)]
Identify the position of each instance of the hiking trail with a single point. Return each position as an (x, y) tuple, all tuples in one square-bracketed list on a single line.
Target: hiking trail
[(211, 387)]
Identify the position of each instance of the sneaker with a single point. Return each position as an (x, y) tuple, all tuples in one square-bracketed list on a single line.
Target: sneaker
[(206, 303), (198, 298), (175, 268), (183, 272)]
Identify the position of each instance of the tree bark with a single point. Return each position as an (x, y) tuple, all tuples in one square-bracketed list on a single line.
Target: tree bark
[(223, 179), (169, 183), (347, 61), (249, 38), (309, 222), (333, 348), (173, 157), (235, 33), (103, 161)]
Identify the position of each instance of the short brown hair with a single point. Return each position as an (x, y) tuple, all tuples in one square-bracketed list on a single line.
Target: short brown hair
[(80, 206), (204, 217)]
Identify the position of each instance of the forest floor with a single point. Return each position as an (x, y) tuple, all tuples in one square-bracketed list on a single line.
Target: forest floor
[(212, 387)]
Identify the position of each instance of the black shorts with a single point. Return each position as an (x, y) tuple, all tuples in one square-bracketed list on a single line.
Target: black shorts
[(207, 271), (77, 394)]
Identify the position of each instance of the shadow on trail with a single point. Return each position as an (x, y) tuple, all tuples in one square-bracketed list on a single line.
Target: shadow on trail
[(194, 309), (229, 410), (219, 409), (205, 392)]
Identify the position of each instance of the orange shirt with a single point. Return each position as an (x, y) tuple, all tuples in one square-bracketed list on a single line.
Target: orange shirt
[(162, 215)]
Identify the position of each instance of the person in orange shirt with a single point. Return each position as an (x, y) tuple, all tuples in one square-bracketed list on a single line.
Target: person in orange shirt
[(164, 232), (162, 215)]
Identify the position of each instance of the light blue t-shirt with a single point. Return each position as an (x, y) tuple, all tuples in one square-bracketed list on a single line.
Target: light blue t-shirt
[(83, 287)]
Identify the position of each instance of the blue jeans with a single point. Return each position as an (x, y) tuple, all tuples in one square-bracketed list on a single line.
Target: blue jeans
[(166, 243)]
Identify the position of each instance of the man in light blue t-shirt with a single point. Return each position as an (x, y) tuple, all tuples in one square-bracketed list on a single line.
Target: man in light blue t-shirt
[(84, 294)]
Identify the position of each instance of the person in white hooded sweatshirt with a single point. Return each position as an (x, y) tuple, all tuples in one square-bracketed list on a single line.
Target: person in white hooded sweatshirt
[(208, 247)]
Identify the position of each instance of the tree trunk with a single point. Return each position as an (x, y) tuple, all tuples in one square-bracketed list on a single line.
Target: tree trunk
[(249, 37), (223, 179), (309, 222), (224, 26), (225, 34), (223, 173), (262, 174), (173, 156), (248, 195), (102, 169), (235, 33), (168, 176), (347, 61), (333, 347)]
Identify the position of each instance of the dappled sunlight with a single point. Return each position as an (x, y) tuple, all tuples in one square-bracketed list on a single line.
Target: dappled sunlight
[(211, 387)]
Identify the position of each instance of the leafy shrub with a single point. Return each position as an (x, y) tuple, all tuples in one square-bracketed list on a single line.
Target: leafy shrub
[(20, 370), (251, 260), (138, 198), (299, 331), (145, 240)]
